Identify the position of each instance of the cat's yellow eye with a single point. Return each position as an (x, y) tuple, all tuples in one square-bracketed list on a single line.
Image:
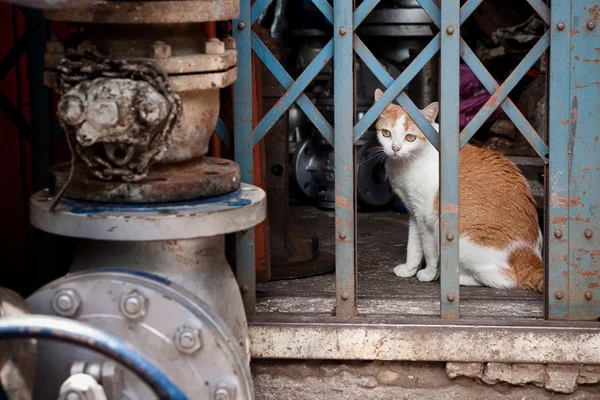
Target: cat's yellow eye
[(385, 133), (410, 137)]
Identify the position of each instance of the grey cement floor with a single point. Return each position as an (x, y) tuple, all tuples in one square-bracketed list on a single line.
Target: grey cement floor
[(382, 238)]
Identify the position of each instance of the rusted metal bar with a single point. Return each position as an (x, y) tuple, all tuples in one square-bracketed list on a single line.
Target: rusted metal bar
[(508, 106), (498, 97), (557, 226), (293, 92), (345, 193), (243, 150), (583, 159), (275, 336), (286, 81), (449, 156)]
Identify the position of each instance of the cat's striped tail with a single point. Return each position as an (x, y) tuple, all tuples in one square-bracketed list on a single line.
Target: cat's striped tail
[(528, 268)]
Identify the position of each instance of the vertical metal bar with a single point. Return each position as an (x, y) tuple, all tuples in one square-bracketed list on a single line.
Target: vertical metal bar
[(243, 149), (557, 227), (449, 157), (584, 169), (345, 195)]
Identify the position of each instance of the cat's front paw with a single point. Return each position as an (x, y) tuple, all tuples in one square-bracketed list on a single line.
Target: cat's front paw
[(405, 271), (427, 274)]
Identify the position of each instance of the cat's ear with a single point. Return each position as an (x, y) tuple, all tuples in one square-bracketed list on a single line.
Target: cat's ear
[(378, 94), (431, 111)]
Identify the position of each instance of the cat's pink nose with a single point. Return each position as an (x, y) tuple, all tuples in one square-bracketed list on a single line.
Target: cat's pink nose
[(396, 149)]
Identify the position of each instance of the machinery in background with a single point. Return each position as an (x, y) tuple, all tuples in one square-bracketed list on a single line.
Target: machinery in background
[(150, 301), (396, 31)]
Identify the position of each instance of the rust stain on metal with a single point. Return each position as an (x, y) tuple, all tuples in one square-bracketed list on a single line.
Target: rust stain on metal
[(595, 60), (449, 208), (593, 285), (580, 86), (564, 121), (342, 202), (559, 220), (574, 115), (595, 12), (195, 179), (576, 57), (565, 201), (574, 32)]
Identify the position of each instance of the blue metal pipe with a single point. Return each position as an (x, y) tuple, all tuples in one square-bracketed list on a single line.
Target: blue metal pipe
[(73, 332)]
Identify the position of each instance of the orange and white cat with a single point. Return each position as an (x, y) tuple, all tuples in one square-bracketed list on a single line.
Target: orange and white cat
[(500, 240)]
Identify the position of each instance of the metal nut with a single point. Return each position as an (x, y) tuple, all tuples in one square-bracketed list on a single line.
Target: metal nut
[(450, 30), (224, 392), (450, 236), (560, 26), (591, 25), (343, 235), (66, 302), (588, 233), (345, 296), (229, 43), (588, 295), (450, 297), (214, 47), (343, 31), (160, 50), (133, 305), (558, 234), (187, 340), (241, 25)]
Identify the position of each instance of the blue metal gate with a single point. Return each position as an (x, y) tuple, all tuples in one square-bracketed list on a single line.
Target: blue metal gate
[(571, 154)]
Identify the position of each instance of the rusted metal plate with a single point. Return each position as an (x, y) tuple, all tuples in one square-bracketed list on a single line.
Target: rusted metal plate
[(282, 337), (196, 179), (150, 12)]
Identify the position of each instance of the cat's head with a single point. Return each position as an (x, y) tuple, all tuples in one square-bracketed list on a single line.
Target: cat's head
[(398, 134)]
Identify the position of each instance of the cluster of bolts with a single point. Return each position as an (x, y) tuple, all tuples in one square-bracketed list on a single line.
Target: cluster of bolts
[(590, 25), (66, 303)]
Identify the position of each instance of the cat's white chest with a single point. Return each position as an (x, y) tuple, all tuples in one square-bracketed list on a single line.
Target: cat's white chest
[(416, 184)]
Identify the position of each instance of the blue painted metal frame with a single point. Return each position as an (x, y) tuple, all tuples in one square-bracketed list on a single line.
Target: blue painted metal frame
[(74, 332), (565, 132)]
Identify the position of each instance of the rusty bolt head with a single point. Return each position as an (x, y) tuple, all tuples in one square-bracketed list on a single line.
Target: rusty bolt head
[(214, 47), (343, 31), (133, 305), (588, 233), (588, 295), (560, 26), (558, 234), (245, 288), (343, 235), (450, 297), (160, 50), (591, 25), (450, 236), (55, 46), (241, 25), (558, 295), (450, 30), (345, 296), (66, 302), (229, 42), (187, 340)]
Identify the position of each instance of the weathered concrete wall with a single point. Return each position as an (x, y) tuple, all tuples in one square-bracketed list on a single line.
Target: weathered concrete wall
[(330, 380)]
